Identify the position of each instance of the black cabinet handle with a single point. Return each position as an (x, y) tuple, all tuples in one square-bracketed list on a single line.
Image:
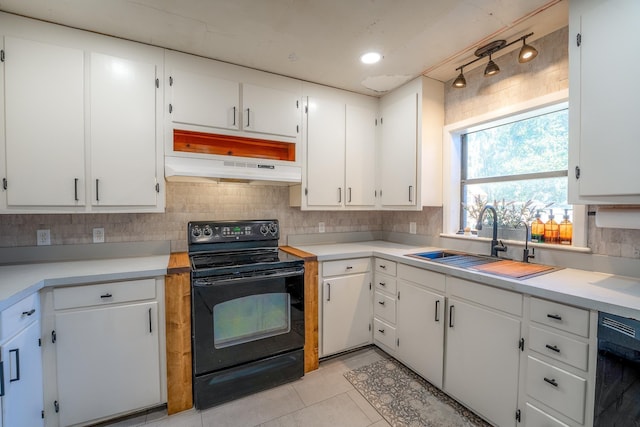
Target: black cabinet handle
[(451, 316), (1, 378), (97, 188), (551, 381), (54, 337), (339, 194), (383, 266), (381, 302), (234, 116), (381, 331), (554, 316), (410, 193), (150, 330), (349, 267), (328, 291), (107, 295), (16, 351), (382, 284), (248, 117), (437, 319), (28, 313), (349, 194), (75, 186), (553, 348)]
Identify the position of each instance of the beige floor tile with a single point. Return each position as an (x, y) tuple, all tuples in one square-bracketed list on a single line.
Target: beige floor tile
[(321, 385), (190, 418), (381, 423), (337, 411), (252, 410), (364, 406)]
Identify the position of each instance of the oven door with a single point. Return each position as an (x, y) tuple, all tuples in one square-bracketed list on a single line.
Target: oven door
[(238, 320)]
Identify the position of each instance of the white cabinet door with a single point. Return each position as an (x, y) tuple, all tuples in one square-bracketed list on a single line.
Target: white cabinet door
[(123, 132), (360, 179), (22, 375), (107, 361), (203, 100), (325, 152), (603, 121), (482, 361), (398, 152), (44, 108), (270, 111), (346, 312), (420, 331)]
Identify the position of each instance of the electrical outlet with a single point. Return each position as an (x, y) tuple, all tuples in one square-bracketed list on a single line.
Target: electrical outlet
[(98, 235), (44, 237), (321, 227), (412, 228)]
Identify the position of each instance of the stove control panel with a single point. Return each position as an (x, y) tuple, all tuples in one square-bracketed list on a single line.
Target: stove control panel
[(202, 232)]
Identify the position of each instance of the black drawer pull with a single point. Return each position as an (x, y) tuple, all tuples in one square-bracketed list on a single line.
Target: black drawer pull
[(382, 266), (437, 319), (551, 381), (107, 295), (381, 302), (451, 316), (381, 331), (553, 348), (382, 284), (554, 316), (16, 352), (349, 267), (29, 313)]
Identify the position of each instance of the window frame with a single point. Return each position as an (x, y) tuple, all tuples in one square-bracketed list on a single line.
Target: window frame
[(452, 158)]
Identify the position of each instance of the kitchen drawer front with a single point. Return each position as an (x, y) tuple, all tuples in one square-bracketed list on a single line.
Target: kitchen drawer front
[(384, 333), (386, 266), (422, 277), (534, 417), (560, 316), (103, 293), (556, 388), (507, 301), (559, 347), (386, 283), (346, 266), (384, 307), (19, 315)]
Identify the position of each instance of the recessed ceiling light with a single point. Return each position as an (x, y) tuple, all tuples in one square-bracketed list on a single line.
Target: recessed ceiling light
[(370, 58)]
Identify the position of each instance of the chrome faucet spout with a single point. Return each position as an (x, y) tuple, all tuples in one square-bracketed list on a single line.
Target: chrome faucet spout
[(495, 246)]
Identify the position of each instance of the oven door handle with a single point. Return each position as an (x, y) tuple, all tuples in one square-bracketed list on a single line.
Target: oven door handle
[(282, 273)]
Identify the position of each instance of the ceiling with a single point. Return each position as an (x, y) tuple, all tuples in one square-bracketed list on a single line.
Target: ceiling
[(319, 41)]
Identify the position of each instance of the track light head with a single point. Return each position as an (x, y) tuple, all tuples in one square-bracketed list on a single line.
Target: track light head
[(460, 81), (527, 53), (492, 68)]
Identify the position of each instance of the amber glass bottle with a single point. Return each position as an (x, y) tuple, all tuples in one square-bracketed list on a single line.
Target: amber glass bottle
[(537, 229), (551, 230), (565, 229)]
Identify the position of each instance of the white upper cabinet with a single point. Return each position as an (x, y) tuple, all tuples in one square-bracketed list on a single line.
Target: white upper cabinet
[(82, 118), (410, 146), (271, 111), (44, 112), (603, 151), (339, 135), (123, 92), (203, 100)]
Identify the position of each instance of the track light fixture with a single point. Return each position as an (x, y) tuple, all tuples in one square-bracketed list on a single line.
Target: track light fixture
[(527, 53)]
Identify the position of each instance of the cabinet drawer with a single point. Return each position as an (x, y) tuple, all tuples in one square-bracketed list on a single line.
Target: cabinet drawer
[(104, 293), (384, 307), (507, 301), (559, 347), (384, 333), (346, 266), (560, 316), (386, 283), (422, 277), (534, 417), (556, 388), (19, 315), (386, 266)]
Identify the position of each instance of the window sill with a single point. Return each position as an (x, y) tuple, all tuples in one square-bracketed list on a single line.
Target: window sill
[(567, 248)]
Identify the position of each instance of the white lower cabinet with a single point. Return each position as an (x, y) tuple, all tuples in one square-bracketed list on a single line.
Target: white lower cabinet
[(346, 305), (420, 328), (21, 389), (108, 357), (482, 349)]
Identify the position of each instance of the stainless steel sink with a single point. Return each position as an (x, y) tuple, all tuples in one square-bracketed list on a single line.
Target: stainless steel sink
[(454, 259)]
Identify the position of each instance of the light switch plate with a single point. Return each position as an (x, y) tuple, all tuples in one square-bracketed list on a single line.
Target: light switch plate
[(321, 227), (44, 237), (98, 235), (412, 228)]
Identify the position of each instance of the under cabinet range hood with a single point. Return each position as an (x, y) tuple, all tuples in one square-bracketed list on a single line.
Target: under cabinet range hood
[(206, 169)]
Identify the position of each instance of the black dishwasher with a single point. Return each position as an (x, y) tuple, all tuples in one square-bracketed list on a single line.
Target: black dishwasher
[(617, 400)]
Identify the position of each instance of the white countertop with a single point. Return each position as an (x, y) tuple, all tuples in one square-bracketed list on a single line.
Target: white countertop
[(592, 290), (19, 281)]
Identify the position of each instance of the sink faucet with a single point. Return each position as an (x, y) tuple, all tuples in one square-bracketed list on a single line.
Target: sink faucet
[(525, 252), (495, 246)]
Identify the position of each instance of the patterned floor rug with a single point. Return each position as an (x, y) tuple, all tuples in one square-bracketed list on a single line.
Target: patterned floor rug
[(405, 399)]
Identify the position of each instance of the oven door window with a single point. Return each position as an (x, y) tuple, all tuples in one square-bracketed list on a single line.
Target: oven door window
[(251, 318)]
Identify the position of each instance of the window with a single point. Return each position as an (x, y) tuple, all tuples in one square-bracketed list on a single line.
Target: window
[(518, 165)]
